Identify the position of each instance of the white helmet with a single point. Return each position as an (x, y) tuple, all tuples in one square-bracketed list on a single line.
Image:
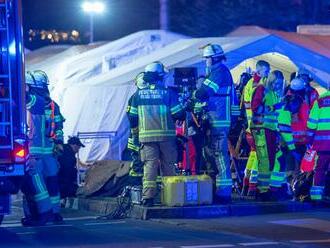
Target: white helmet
[(212, 50), (139, 81), (297, 84), (156, 67)]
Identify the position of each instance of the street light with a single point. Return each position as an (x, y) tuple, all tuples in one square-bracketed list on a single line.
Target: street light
[(92, 8)]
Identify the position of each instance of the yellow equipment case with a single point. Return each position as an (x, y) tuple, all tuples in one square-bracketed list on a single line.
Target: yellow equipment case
[(186, 190)]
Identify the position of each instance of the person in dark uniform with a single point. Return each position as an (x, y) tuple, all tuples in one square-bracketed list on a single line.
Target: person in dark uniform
[(68, 171)]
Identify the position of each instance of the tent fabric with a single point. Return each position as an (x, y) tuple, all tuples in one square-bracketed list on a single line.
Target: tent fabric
[(95, 100), (317, 43)]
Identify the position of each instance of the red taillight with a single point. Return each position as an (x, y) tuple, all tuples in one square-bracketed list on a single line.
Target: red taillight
[(20, 153)]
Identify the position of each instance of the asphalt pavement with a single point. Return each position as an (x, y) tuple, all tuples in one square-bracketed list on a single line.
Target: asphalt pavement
[(84, 229)]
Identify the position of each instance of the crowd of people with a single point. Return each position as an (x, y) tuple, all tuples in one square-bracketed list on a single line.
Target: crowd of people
[(284, 126)]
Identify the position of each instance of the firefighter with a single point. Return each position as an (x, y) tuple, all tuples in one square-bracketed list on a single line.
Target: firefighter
[(222, 105), (311, 94), (37, 206), (251, 172), (263, 126), (136, 168), (319, 130), (43, 146), (152, 116)]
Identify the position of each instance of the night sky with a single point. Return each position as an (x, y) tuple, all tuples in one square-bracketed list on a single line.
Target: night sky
[(121, 17), (196, 18)]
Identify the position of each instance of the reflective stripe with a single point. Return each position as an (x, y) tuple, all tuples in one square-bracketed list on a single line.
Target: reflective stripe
[(41, 150), (31, 102), (322, 137), (212, 85), (41, 196), (324, 120), (149, 184), (176, 109), (312, 120), (284, 128), (133, 111), (247, 105), (55, 199), (299, 132), (223, 182)]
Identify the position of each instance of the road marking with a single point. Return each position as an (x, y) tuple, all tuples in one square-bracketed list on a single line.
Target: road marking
[(104, 223), (82, 218), (258, 243), (12, 225), (311, 241), (49, 225), (208, 246), (25, 233), (311, 223)]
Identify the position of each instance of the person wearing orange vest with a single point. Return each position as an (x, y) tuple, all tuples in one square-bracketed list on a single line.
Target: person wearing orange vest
[(319, 132), (251, 171), (264, 105)]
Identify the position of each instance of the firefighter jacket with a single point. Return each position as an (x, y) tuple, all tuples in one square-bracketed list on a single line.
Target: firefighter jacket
[(153, 112), (54, 122), (319, 123), (247, 98), (133, 143), (262, 105), (45, 125), (219, 92)]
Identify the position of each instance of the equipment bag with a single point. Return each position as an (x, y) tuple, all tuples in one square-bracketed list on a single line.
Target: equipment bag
[(308, 161)]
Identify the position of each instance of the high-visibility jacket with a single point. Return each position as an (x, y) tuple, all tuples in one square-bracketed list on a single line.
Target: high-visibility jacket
[(285, 129), (219, 92), (299, 124), (319, 123), (247, 98), (153, 113), (263, 113)]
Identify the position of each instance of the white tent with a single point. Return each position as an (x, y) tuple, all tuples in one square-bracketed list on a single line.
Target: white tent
[(98, 104)]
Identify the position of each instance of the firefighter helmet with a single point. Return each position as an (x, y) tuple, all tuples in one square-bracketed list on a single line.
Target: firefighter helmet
[(297, 84), (34, 80), (212, 50), (156, 67), (41, 77), (305, 75), (139, 81)]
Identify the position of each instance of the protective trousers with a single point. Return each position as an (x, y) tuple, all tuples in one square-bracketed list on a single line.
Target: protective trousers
[(265, 141), (251, 171), (219, 155), (321, 169), (157, 156), (42, 185)]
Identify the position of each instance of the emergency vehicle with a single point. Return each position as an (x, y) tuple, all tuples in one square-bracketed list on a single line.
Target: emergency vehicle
[(13, 139)]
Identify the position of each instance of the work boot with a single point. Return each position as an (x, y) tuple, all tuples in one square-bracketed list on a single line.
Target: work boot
[(148, 202), (42, 219), (57, 218)]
